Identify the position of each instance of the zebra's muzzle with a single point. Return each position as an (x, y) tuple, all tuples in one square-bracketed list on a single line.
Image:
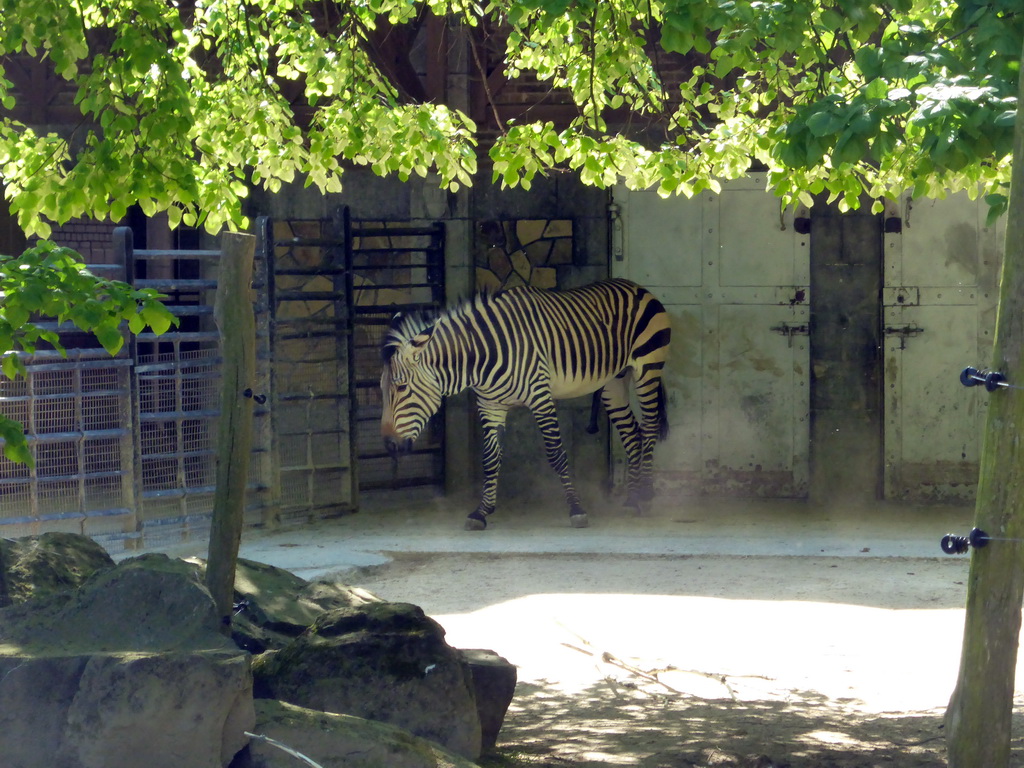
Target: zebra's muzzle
[(395, 447)]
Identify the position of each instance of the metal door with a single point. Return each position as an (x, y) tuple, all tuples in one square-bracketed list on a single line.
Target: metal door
[(939, 299), (310, 326), (733, 271), (397, 267), (176, 380)]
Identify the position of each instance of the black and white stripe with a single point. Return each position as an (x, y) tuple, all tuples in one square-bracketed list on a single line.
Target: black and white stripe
[(530, 347)]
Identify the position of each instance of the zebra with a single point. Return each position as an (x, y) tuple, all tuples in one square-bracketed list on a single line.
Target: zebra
[(527, 346)]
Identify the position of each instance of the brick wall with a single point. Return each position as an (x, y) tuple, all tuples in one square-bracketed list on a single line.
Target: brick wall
[(93, 239)]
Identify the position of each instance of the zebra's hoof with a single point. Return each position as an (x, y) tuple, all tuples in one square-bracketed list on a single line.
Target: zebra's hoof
[(579, 520), (475, 523), (638, 498)]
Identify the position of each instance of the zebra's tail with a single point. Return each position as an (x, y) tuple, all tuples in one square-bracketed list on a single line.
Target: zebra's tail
[(662, 411)]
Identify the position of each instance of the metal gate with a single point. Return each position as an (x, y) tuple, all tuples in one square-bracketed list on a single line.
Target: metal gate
[(176, 398), (939, 305), (310, 327), (733, 271), (78, 424), (397, 267), (125, 446)]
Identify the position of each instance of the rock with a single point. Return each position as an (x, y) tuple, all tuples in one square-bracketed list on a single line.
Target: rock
[(380, 661), (123, 710), (148, 603), (337, 741), (134, 673), (277, 606), (494, 685), (36, 566)]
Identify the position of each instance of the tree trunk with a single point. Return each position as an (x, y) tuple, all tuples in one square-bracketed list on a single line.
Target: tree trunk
[(234, 314), (979, 713)]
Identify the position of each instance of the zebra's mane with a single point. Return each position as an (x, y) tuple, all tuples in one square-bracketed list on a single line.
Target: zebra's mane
[(405, 327)]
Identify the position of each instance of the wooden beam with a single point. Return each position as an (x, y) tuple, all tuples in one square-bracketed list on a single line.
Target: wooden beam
[(233, 312), (979, 716)]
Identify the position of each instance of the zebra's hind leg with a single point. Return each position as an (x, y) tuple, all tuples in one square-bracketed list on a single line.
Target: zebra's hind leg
[(547, 420), (653, 407), (616, 402)]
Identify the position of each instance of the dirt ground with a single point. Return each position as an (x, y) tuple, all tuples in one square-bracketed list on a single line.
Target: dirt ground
[(701, 634), (672, 662)]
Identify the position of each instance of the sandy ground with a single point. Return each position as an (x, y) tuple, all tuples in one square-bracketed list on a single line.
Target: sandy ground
[(662, 661), (700, 634)]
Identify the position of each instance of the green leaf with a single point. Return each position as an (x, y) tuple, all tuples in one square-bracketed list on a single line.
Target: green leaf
[(997, 206), (11, 366), (1005, 119), (157, 317), (869, 61), (16, 447), (109, 336), (825, 123), (136, 324)]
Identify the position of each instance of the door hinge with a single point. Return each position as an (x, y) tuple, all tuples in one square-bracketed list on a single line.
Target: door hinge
[(903, 332), (789, 330)]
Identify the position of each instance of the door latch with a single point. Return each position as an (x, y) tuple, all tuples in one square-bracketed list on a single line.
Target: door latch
[(903, 332), (789, 330)]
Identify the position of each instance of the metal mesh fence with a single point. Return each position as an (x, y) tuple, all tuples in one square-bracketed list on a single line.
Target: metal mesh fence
[(77, 423)]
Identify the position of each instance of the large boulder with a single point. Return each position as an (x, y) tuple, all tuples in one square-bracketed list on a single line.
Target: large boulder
[(494, 685), (337, 741), (381, 661), (128, 670), (275, 606), (37, 566)]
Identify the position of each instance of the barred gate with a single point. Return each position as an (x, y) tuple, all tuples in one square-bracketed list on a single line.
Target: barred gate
[(334, 286), (309, 297), (125, 446), (176, 380), (78, 427), (396, 267), (78, 423)]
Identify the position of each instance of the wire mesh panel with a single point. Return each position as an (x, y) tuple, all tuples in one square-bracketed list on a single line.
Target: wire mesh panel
[(177, 392), (77, 423), (396, 267), (310, 330)]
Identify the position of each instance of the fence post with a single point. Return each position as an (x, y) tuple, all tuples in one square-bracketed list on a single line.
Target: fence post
[(233, 312), (130, 442), (979, 718)]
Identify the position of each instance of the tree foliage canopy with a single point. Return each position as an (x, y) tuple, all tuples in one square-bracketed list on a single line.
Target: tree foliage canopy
[(186, 104)]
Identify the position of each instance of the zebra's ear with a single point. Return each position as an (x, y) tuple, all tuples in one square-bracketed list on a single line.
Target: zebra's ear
[(420, 340)]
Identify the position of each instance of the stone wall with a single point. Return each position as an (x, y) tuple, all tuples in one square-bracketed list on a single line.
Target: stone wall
[(523, 252)]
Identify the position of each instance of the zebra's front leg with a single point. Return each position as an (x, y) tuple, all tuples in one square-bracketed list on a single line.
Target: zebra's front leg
[(494, 435), (547, 419)]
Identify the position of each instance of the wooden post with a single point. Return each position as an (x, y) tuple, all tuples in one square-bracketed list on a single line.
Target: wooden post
[(979, 713), (233, 312)]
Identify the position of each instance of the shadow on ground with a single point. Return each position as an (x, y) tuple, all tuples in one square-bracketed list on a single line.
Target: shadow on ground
[(612, 724)]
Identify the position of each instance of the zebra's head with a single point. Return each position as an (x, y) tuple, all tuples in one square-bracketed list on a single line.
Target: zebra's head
[(410, 392)]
